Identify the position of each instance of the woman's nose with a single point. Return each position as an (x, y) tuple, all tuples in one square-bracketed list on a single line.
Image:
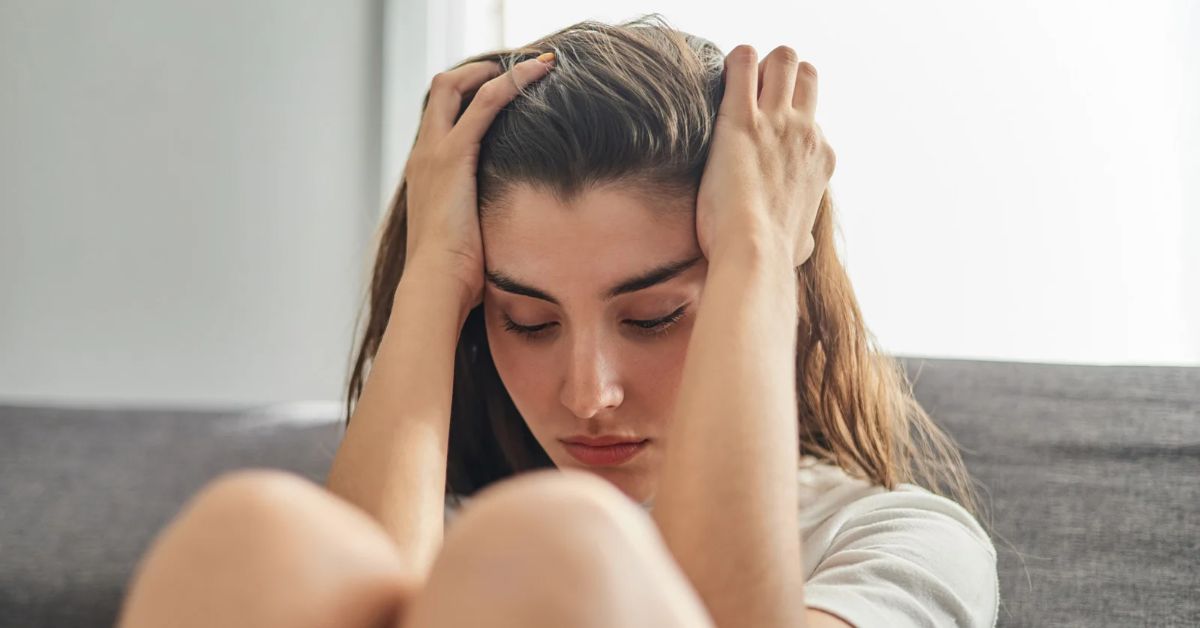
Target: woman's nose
[(592, 381)]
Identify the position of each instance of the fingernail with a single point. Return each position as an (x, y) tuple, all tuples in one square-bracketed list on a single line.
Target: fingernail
[(547, 58)]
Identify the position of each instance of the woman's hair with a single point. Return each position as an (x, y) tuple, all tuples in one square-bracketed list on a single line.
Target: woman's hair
[(635, 103)]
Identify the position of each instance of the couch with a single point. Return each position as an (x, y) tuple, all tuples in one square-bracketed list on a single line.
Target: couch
[(1091, 476)]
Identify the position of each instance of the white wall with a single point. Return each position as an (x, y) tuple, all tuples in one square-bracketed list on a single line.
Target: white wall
[(422, 38), (186, 189), (1016, 180)]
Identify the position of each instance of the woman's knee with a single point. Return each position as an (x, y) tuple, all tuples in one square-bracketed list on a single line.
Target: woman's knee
[(568, 518), (255, 492), (263, 509), (272, 512), (565, 546), (256, 542), (559, 492)]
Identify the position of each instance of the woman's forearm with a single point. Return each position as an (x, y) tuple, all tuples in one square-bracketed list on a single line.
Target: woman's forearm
[(392, 460), (726, 502)]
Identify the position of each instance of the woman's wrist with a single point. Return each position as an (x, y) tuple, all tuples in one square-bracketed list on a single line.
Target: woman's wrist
[(433, 291), (753, 269), (750, 235), (434, 267), (755, 250)]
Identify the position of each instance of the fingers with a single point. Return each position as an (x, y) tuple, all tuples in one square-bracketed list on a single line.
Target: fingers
[(805, 96), (762, 65), (446, 94), (780, 81), (741, 81), (778, 71), (493, 96)]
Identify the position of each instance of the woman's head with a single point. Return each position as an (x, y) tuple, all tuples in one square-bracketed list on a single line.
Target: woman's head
[(586, 180), (588, 308)]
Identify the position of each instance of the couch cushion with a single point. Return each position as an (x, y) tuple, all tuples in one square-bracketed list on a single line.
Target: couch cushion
[(83, 492), (1092, 477), (1091, 473)]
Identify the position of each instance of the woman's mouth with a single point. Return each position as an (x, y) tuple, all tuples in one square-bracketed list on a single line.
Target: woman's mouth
[(607, 455)]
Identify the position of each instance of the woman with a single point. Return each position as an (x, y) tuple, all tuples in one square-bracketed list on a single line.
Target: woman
[(606, 309)]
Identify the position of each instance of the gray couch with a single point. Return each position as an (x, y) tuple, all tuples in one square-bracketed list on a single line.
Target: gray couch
[(1092, 475)]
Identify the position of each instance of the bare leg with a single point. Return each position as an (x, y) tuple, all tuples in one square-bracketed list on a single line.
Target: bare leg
[(555, 548), (268, 549)]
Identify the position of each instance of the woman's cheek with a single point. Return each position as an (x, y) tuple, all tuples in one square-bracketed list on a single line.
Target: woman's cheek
[(516, 362), (668, 369)]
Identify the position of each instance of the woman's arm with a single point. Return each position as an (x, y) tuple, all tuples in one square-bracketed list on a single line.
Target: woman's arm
[(727, 497), (727, 500), (392, 460)]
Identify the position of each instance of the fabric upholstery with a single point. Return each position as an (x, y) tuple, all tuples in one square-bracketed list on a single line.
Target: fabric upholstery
[(1091, 475)]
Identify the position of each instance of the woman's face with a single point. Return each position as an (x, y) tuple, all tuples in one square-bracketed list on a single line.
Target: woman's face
[(590, 369)]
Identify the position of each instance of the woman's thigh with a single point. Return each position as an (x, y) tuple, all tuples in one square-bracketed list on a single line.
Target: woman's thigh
[(554, 548), (270, 549)]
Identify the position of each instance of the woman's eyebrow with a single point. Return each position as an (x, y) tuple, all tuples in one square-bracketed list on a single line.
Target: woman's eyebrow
[(652, 277)]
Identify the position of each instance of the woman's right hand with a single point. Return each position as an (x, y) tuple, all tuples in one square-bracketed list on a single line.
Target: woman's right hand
[(444, 242)]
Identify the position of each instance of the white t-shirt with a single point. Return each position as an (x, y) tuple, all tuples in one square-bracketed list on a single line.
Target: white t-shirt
[(897, 558)]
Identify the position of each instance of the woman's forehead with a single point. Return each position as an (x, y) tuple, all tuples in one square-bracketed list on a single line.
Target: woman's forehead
[(603, 235), (598, 220)]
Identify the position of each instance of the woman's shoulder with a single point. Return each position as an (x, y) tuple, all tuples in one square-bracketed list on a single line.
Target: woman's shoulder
[(918, 553), (831, 498)]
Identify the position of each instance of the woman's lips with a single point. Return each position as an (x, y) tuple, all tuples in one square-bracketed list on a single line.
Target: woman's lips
[(609, 455)]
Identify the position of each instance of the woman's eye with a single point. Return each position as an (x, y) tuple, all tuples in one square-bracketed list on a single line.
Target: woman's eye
[(536, 331), (655, 327), (659, 326)]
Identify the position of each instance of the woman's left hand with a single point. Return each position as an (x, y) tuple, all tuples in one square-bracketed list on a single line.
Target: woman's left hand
[(769, 163)]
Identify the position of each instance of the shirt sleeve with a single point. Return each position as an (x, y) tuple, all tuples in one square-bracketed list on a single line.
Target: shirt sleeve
[(907, 558)]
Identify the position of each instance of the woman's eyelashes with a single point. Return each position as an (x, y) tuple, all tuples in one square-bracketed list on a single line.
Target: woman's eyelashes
[(650, 328)]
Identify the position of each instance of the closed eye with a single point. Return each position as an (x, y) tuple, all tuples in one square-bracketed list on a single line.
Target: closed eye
[(652, 328)]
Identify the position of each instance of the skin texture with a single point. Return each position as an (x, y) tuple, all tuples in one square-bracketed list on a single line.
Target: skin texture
[(589, 370), (592, 371), (767, 171), (715, 395), (392, 460), (734, 442)]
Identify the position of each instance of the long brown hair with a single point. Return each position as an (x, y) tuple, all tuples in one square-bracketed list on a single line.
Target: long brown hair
[(636, 103)]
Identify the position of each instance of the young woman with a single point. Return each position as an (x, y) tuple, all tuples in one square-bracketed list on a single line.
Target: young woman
[(617, 377)]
